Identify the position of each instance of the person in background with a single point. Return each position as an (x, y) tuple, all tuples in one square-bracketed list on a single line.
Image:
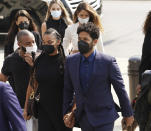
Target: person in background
[(18, 66), (88, 76), (21, 21), (145, 64), (11, 118), (83, 14), (57, 17), (49, 75), (146, 53)]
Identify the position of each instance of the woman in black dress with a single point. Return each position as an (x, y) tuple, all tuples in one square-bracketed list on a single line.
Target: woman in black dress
[(57, 17), (49, 74)]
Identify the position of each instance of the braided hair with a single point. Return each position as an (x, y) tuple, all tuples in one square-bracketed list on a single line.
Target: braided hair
[(61, 59)]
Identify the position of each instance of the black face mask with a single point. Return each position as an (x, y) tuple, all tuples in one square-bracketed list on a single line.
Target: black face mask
[(23, 25), (84, 47), (48, 49)]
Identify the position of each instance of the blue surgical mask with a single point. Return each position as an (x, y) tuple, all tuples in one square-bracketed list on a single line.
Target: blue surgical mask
[(56, 13)]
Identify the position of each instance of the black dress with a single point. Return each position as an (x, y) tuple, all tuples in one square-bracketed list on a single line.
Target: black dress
[(58, 25), (49, 75), (146, 55)]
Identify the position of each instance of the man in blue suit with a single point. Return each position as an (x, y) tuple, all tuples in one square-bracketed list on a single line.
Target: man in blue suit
[(88, 76), (11, 118)]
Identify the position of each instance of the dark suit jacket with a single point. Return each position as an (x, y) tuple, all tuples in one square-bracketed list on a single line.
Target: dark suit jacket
[(11, 118), (98, 101)]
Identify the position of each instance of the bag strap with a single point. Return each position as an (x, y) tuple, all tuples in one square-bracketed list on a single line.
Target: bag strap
[(33, 82)]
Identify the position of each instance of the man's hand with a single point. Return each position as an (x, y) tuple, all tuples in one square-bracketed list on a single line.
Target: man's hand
[(28, 58), (3, 77), (129, 120), (69, 120), (25, 115)]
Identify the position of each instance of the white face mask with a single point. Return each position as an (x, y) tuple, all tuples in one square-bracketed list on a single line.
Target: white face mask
[(56, 13), (82, 21), (31, 48)]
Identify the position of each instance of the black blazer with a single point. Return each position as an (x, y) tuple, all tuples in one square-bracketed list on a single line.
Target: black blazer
[(8, 48), (146, 55)]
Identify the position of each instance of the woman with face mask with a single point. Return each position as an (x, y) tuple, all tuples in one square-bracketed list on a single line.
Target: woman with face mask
[(57, 17), (49, 75), (83, 14), (21, 21)]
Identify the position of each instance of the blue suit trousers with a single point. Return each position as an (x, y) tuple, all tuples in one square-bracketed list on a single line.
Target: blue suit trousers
[(86, 126)]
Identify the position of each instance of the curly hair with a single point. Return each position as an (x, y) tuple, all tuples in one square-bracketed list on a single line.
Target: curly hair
[(90, 28), (147, 23)]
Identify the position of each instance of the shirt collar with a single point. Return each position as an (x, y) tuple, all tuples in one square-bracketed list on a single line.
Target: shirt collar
[(90, 58)]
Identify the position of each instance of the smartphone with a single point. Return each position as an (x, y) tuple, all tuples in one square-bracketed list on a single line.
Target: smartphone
[(23, 49)]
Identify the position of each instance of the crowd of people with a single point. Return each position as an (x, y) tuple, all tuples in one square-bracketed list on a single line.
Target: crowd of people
[(66, 59)]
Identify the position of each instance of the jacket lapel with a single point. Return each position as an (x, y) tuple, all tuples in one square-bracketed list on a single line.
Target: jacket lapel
[(77, 71)]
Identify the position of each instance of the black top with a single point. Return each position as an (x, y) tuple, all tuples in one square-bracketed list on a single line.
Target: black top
[(16, 67), (49, 75), (146, 55), (9, 47), (58, 25)]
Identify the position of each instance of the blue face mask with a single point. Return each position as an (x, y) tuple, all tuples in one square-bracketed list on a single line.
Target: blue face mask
[(56, 13)]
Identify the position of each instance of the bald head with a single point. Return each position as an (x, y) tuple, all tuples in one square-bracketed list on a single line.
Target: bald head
[(25, 38), (23, 33)]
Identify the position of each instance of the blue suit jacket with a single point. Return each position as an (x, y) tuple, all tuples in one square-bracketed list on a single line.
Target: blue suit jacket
[(98, 101), (11, 118)]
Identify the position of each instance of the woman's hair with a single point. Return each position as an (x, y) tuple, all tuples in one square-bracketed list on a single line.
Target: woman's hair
[(94, 17), (14, 28), (147, 23), (58, 37), (64, 15)]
